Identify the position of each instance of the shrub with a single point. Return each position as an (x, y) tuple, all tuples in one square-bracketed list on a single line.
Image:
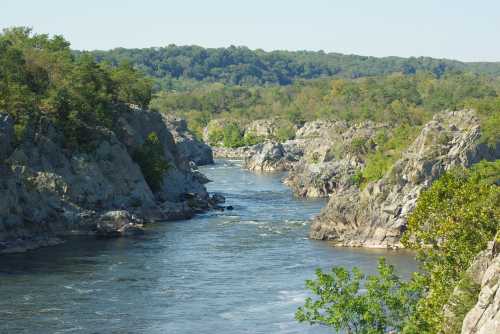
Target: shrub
[(286, 131), (358, 178), (215, 136), (358, 146), (452, 222), (390, 147), (340, 303), (377, 165), (19, 131), (252, 139), (232, 135), (488, 110), (227, 135), (151, 159)]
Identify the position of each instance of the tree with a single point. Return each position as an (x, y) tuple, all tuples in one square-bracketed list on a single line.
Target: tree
[(452, 222), (130, 87), (232, 135), (340, 303)]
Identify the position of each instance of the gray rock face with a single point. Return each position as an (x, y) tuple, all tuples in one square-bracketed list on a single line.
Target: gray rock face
[(188, 146), (327, 164), (235, 153), (265, 128), (484, 317), (269, 156), (48, 191), (377, 216), (322, 179)]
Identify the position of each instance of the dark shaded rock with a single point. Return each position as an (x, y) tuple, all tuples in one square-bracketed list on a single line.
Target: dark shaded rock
[(218, 198)]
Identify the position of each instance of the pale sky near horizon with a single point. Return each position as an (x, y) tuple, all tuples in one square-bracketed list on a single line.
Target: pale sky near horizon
[(461, 29)]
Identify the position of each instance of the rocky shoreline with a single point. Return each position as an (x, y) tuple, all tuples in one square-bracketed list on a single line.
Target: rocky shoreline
[(324, 158), (50, 191)]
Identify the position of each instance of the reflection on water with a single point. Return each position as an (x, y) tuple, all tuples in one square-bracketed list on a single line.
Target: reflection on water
[(240, 271)]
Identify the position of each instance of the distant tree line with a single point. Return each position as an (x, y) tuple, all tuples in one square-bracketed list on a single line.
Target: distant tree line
[(177, 67)]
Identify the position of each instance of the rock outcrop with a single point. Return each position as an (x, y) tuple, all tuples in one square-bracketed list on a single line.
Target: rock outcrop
[(319, 158), (324, 178), (188, 146), (376, 216), (330, 158), (484, 317), (268, 157), (118, 223), (235, 153), (264, 128), (49, 190)]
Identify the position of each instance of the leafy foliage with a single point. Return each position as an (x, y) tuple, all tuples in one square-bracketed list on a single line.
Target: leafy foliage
[(180, 67), (250, 139), (389, 147), (285, 131), (232, 135), (41, 79), (151, 159), (452, 222), (489, 112), (385, 306), (406, 102)]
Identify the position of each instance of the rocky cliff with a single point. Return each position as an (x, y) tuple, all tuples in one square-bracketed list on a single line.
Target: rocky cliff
[(376, 216), (321, 160), (484, 317), (332, 153), (49, 190), (188, 146)]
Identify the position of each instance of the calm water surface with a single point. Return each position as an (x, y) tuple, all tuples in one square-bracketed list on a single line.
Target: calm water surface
[(240, 271)]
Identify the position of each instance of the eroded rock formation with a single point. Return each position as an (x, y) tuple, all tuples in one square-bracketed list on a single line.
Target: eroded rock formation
[(48, 190), (376, 216)]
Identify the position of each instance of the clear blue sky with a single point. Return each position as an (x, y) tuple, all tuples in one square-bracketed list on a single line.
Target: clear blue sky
[(460, 29)]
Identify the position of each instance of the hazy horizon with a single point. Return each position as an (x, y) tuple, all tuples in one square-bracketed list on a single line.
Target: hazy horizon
[(459, 30)]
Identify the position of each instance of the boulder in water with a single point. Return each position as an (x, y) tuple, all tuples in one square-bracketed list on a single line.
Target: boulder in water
[(118, 223)]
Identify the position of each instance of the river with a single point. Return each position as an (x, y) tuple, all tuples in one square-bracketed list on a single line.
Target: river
[(240, 271)]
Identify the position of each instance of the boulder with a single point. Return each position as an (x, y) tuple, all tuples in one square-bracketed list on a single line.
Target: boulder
[(322, 179), (218, 198), (269, 156), (118, 223)]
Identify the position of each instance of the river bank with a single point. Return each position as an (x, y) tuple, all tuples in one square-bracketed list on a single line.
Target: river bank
[(225, 272)]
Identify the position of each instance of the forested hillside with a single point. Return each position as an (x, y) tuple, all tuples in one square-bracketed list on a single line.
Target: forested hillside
[(240, 65), (402, 100)]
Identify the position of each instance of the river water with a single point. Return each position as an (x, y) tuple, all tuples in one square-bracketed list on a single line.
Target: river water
[(240, 271)]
